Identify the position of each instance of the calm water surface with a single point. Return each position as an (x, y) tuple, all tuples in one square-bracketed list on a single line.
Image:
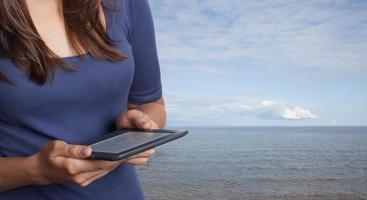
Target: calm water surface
[(260, 163)]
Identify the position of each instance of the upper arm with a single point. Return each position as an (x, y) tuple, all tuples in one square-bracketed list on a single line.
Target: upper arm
[(146, 85), (159, 101)]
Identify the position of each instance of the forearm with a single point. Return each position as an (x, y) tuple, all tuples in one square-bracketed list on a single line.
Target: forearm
[(16, 172), (155, 111)]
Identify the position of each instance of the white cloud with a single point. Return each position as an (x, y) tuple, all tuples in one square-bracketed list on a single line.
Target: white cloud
[(285, 112), (225, 111), (266, 109), (327, 35)]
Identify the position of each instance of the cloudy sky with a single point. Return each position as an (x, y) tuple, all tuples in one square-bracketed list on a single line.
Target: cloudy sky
[(248, 62)]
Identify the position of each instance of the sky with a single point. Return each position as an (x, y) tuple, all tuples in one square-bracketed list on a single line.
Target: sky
[(260, 62)]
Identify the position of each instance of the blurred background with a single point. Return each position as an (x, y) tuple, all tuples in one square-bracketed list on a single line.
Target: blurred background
[(273, 94)]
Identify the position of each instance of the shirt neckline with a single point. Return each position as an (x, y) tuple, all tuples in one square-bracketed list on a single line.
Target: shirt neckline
[(76, 58)]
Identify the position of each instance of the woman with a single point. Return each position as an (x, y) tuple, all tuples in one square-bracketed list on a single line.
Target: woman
[(70, 71)]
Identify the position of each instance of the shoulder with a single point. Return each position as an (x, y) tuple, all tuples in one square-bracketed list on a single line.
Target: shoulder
[(134, 15), (130, 10), (126, 5), (132, 4)]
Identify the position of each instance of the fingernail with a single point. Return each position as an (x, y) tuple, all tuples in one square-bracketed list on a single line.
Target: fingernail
[(147, 125), (85, 151)]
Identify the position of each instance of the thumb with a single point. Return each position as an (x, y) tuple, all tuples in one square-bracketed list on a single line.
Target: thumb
[(129, 118), (73, 151), (123, 121)]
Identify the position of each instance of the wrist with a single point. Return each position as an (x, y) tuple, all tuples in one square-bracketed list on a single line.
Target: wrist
[(34, 170)]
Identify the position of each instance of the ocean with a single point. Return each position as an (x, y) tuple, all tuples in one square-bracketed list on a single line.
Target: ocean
[(260, 163)]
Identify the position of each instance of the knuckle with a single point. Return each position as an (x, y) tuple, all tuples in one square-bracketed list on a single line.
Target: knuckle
[(101, 165), (84, 184), (130, 113), (73, 151), (112, 166), (51, 145), (77, 180), (152, 151), (147, 118), (133, 113), (140, 122), (144, 161), (49, 157), (56, 144), (70, 168), (71, 171), (144, 116)]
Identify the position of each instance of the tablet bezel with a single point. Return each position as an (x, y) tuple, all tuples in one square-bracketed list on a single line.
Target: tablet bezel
[(174, 134)]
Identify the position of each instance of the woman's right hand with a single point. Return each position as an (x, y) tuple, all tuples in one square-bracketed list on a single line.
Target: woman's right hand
[(59, 162)]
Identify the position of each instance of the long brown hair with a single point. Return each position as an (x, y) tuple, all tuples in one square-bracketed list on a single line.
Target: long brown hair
[(20, 41)]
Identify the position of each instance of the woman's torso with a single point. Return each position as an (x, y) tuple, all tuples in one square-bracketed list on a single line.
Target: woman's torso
[(77, 107)]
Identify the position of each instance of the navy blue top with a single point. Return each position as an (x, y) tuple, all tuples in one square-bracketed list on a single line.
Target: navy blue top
[(81, 105)]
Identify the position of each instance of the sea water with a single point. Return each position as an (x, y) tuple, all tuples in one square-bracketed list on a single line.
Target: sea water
[(260, 163)]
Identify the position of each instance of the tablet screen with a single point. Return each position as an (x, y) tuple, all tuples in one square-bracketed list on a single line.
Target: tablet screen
[(126, 141)]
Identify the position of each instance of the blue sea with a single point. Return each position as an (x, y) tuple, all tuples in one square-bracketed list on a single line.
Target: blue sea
[(260, 163)]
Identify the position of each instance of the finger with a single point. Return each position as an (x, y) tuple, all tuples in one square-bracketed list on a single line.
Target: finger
[(138, 119), (81, 178), (123, 122), (138, 161), (146, 123), (154, 125), (147, 153), (127, 119), (96, 176), (143, 123), (61, 148), (84, 166)]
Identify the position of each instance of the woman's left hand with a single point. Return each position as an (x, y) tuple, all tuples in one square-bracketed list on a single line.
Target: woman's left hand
[(137, 119)]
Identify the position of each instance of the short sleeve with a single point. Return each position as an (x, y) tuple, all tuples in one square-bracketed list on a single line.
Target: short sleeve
[(146, 85)]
